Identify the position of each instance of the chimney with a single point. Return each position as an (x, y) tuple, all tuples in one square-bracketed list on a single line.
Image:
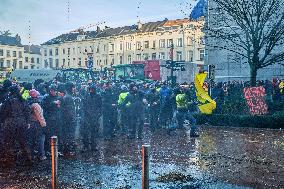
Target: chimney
[(139, 25), (98, 29)]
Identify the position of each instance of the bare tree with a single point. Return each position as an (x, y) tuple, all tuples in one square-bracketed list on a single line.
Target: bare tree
[(253, 29)]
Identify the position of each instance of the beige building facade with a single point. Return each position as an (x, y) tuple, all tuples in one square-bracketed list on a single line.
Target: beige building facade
[(123, 45), (17, 56), (11, 56)]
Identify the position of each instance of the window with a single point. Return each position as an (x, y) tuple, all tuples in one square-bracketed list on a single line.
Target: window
[(179, 42), (20, 64), (128, 46), (111, 47), (20, 54), (121, 46), (45, 52), (170, 42), (50, 52), (68, 63), (179, 55), (32, 67), (154, 44), (37, 60), (201, 54), (86, 62), (145, 56), (129, 59), (32, 60), (98, 49), (14, 53), (202, 40), (190, 41), (26, 59), (45, 63), (56, 51), (63, 51), (138, 46), (68, 51), (162, 56), (79, 62), (8, 63), (1, 52), (63, 62), (138, 57), (112, 61), (105, 47), (162, 43), (1, 62), (146, 44), (57, 63), (120, 59), (154, 56), (8, 53), (50, 62), (74, 50), (15, 63), (190, 56)]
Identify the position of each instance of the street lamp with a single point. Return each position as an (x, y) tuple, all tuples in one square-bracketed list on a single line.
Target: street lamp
[(173, 66)]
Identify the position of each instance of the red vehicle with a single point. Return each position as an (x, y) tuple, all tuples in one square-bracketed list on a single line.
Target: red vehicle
[(151, 69)]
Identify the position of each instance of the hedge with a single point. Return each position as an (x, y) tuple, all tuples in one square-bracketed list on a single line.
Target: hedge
[(274, 121)]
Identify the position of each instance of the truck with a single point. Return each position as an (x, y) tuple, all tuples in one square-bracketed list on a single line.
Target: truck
[(129, 72), (76, 75)]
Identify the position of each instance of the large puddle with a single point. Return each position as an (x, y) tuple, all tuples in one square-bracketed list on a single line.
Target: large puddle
[(220, 158)]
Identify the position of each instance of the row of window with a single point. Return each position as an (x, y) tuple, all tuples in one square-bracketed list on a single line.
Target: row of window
[(14, 53), (139, 57), (163, 43), (9, 63), (32, 60)]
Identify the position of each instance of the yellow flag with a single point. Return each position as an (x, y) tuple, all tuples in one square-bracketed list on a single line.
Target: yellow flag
[(206, 103)]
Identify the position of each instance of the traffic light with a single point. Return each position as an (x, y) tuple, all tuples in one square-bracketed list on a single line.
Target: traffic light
[(211, 72)]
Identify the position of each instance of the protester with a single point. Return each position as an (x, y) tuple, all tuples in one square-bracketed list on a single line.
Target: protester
[(37, 126), (16, 113)]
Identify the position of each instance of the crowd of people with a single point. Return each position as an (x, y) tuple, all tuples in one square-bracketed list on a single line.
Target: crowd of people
[(31, 113)]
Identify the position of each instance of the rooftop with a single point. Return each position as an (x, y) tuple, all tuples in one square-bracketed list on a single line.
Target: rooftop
[(33, 49), (8, 40), (125, 30)]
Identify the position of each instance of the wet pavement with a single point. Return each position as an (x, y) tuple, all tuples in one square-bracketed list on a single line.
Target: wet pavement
[(220, 158)]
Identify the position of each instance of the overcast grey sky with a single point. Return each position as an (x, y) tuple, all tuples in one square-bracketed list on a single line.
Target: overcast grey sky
[(49, 18)]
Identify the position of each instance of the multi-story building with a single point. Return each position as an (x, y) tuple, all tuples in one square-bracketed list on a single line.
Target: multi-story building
[(32, 57), (112, 46), (225, 54), (11, 52), (17, 56)]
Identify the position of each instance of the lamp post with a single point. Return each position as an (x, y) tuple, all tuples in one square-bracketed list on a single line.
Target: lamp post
[(173, 66)]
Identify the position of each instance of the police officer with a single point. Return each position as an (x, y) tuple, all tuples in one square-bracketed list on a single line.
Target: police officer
[(92, 111), (153, 99), (123, 109), (69, 120), (109, 111), (136, 111), (51, 108), (184, 103)]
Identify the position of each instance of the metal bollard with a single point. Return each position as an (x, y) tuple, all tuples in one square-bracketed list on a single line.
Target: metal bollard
[(54, 161), (145, 166)]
